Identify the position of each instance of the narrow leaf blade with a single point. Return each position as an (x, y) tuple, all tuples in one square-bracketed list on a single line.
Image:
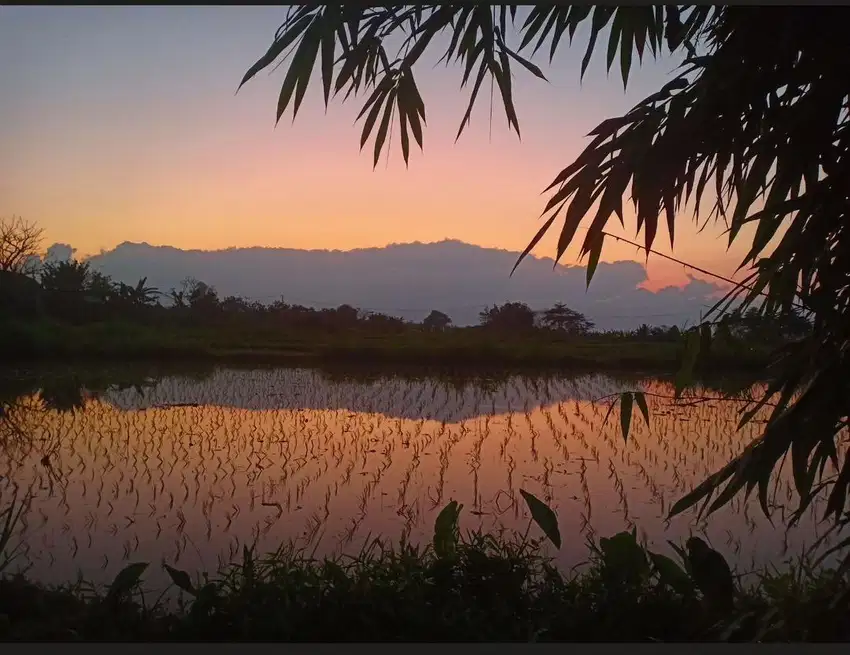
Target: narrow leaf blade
[(626, 400)]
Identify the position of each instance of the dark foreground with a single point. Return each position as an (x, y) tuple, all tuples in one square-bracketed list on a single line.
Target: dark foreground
[(480, 588), (471, 347)]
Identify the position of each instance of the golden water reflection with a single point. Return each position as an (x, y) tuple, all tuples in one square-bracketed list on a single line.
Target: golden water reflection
[(189, 471)]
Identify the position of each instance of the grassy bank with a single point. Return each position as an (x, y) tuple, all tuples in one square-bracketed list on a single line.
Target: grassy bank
[(478, 588), (467, 347)]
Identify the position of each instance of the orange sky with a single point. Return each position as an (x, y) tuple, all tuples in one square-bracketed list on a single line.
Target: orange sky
[(121, 124)]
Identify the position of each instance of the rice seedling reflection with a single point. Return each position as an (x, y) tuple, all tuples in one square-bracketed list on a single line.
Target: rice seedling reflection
[(267, 456)]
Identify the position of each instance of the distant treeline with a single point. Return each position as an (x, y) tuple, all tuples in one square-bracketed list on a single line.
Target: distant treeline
[(70, 291)]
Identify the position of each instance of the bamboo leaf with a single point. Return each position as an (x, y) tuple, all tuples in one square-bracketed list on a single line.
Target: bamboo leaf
[(626, 45), (575, 212), (536, 17), (577, 15), (593, 259), (476, 53), (641, 30), (503, 80), (438, 20), (328, 47), (674, 28), (614, 38), (702, 490), (287, 88), (277, 48), (610, 410), (384, 127), (405, 137), (601, 16), (626, 413), (370, 120), (482, 70), (729, 491), (311, 42), (640, 400), (553, 18), (560, 28), (535, 240), (534, 70)]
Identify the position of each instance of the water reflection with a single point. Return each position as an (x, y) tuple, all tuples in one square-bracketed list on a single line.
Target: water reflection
[(188, 469)]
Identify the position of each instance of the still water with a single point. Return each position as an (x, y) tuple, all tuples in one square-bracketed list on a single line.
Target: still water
[(188, 469)]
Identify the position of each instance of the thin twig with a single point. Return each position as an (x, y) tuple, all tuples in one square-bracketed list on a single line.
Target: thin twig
[(737, 285)]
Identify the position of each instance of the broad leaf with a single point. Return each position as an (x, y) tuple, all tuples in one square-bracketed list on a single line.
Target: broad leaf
[(181, 579), (125, 581), (446, 530), (544, 517)]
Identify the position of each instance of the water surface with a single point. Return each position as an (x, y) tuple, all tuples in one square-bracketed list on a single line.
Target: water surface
[(188, 469)]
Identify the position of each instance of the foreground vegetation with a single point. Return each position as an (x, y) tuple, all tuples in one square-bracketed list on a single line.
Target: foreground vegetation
[(473, 588)]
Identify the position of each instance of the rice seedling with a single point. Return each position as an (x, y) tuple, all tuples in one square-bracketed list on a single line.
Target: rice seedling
[(12, 513)]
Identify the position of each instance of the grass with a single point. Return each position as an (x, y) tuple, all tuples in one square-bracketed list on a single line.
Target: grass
[(468, 588), (469, 347)]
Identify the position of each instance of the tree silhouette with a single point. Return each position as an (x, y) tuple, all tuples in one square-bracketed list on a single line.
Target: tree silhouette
[(345, 316), (201, 298), (20, 295), (383, 323), (100, 287), (754, 123), (755, 325), (64, 284), (562, 318), (436, 321), (511, 317), (139, 295), (234, 305), (70, 277), (177, 297), (19, 245)]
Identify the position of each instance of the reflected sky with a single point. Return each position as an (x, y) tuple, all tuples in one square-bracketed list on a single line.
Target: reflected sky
[(306, 389), (191, 470)]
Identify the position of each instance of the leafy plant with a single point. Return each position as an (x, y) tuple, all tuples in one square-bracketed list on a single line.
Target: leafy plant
[(543, 516), (125, 582), (181, 579), (446, 533), (492, 588)]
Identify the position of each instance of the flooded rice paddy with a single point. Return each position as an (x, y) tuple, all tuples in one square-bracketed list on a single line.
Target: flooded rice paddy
[(188, 469)]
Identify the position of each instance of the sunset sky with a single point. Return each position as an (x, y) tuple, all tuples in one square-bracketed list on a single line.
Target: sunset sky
[(122, 124)]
